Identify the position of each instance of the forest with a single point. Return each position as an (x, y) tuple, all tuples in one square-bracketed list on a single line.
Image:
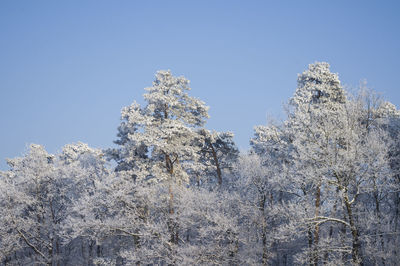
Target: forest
[(320, 187)]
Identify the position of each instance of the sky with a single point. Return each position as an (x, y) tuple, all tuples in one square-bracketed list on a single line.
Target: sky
[(68, 67)]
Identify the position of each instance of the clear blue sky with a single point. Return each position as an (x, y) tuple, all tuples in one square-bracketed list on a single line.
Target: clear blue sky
[(68, 67)]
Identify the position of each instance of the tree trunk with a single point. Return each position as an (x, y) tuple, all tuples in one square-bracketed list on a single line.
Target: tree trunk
[(310, 243), (264, 230), (355, 253), (316, 232), (214, 154), (379, 217)]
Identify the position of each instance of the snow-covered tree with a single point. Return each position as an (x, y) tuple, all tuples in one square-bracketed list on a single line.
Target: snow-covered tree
[(166, 128), (217, 155), (36, 195), (316, 109), (336, 150), (156, 140), (30, 211)]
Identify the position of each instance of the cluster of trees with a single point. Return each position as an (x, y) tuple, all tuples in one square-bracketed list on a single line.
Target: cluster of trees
[(321, 187)]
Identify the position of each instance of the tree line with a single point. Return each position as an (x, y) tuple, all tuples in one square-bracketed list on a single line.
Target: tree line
[(320, 187)]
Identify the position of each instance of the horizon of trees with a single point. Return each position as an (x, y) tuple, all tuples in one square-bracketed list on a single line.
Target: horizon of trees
[(321, 187)]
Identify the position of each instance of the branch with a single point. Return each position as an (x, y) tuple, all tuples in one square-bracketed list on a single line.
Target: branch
[(355, 196), (176, 158), (31, 245), (322, 219), (292, 193)]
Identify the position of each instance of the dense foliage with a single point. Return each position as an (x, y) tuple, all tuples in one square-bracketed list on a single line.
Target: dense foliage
[(321, 187)]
